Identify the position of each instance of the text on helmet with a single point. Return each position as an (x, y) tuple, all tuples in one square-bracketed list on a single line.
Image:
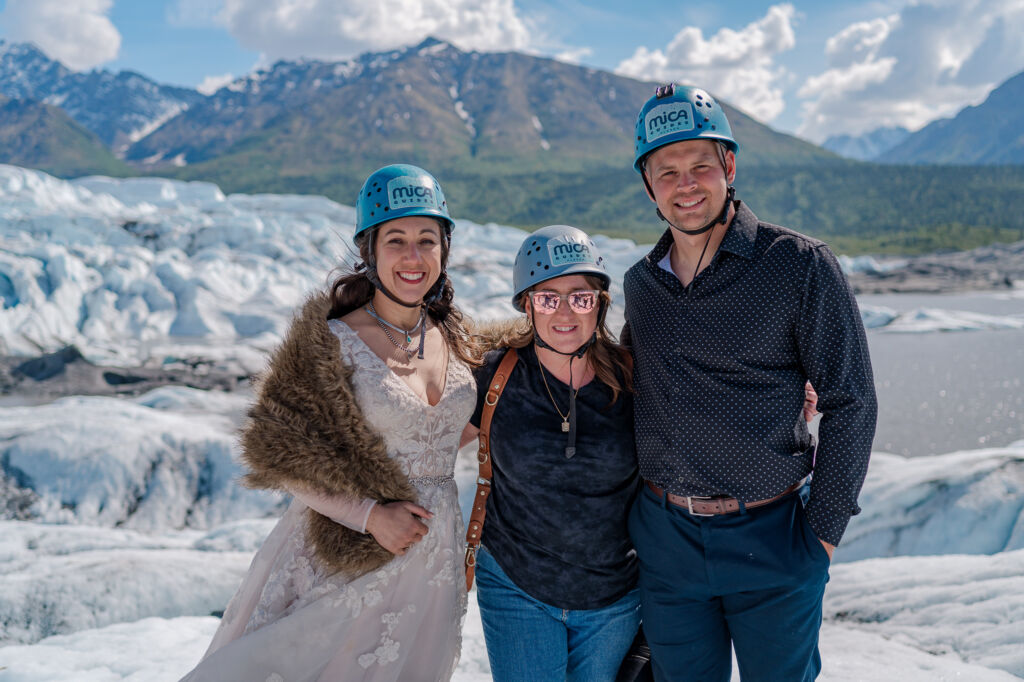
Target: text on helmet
[(669, 118), (404, 192), (563, 251)]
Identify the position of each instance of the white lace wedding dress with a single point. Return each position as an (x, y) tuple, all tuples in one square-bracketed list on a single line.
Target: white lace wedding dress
[(291, 621)]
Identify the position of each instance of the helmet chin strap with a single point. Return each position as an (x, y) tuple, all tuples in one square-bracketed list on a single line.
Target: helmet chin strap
[(576, 354), (721, 219), (570, 448), (579, 352), (369, 269)]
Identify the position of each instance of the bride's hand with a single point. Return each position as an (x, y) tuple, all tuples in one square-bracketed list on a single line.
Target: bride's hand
[(396, 526)]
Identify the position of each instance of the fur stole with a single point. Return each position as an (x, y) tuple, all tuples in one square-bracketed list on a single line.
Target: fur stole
[(497, 334), (306, 428)]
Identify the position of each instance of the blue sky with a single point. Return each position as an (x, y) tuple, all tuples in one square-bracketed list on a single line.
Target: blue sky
[(810, 68)]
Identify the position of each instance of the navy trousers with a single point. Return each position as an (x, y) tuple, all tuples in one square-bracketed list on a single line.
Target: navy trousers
[(752, 581)]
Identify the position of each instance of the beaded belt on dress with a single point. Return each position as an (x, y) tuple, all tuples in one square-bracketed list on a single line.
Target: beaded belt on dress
[(433, 480)]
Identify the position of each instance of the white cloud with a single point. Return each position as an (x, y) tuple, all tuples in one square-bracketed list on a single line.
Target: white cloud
[(738, 66), (858, 41), (212, 84), (574, 55), (928, 61), (78, 33), (344, 28), (195, 13)]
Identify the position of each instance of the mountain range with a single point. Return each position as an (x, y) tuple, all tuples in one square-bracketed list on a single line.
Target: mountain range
[(119, 108), (868, 146), (38, 135), (991, 133), (986, 134), (515, 138)]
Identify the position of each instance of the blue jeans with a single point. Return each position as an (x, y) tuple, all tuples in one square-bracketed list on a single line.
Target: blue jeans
[(750, 581), (530, 641)]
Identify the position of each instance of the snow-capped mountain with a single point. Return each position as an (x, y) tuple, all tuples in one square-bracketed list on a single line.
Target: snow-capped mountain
[(433, 102), (119, 108), (447, 102)]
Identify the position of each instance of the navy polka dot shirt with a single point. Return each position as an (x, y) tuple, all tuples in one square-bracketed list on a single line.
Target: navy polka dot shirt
[(721, 367)]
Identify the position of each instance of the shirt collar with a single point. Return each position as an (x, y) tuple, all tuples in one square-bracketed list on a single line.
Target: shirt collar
[(740, 238)]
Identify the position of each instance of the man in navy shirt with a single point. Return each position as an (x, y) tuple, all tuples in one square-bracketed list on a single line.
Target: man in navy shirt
[(728, 317)]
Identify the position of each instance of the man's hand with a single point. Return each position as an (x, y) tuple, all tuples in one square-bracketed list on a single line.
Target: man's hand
[(396, 526), (828, 548)]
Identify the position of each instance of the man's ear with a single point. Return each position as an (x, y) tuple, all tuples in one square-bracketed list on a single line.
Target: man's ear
[(730, 166)]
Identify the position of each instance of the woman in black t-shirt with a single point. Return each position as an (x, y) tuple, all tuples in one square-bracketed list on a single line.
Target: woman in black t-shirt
[(556, 575), (556, 572)]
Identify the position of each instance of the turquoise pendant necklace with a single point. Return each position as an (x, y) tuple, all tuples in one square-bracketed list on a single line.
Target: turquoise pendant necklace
[(380, 320), (384, 324)]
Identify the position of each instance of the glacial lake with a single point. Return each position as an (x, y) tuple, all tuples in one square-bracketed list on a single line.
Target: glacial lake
[(952, 390)]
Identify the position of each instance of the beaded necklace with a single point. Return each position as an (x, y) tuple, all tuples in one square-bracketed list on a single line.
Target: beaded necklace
[(410, 350)]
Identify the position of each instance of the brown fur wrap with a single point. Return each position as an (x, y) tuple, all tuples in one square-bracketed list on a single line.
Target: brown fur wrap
[(307, 429), (496, 334)]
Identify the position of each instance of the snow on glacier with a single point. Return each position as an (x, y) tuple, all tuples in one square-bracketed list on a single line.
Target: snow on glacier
[(850, 653), (67, 579), (960, 503), (167, 459), (149, 271), (59, 579), (138, 530)]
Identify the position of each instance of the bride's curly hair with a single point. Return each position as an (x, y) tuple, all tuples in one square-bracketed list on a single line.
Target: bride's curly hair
[(352, 289)]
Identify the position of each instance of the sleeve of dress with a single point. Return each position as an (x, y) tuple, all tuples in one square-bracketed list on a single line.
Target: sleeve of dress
[(350, 512)]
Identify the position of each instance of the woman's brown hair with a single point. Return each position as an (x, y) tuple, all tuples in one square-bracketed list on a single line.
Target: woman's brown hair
[(608, 358), (353, 289)]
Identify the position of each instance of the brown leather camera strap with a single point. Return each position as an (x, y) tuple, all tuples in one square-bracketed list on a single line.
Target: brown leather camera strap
[(474, 531)]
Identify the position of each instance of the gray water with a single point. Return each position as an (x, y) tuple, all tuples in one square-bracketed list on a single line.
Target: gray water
[(945, 391)]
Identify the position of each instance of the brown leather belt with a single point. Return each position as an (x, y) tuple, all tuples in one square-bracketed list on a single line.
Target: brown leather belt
[(712, 506)]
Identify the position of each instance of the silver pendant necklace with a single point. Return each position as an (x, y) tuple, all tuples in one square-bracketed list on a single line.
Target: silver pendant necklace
[(409, 350)]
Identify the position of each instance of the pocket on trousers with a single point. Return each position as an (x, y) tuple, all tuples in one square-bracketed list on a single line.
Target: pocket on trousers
[(814, 546)]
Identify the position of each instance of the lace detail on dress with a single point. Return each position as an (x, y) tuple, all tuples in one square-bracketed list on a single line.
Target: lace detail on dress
[(403, 621), (387, 652)]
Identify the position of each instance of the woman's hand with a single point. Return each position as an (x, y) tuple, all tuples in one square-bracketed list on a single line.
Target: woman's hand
[(396, 526), (810, 402)]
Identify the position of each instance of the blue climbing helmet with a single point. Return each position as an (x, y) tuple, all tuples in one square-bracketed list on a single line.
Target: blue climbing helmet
[(397, 191), (554, 251), (677, 113)]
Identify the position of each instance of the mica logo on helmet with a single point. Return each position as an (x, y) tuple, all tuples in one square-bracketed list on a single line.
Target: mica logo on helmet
[(666, 119), (404, 192), (563, 251)]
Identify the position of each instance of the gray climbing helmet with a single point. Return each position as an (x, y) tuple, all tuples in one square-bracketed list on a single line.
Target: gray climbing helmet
[(554, 251)]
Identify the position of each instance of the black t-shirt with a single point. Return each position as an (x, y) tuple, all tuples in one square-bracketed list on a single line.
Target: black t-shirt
[(557, 525)]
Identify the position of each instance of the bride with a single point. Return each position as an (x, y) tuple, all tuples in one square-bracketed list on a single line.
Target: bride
[(359, 418)]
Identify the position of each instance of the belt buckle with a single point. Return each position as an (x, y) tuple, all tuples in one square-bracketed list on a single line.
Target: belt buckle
[(689, 504)]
